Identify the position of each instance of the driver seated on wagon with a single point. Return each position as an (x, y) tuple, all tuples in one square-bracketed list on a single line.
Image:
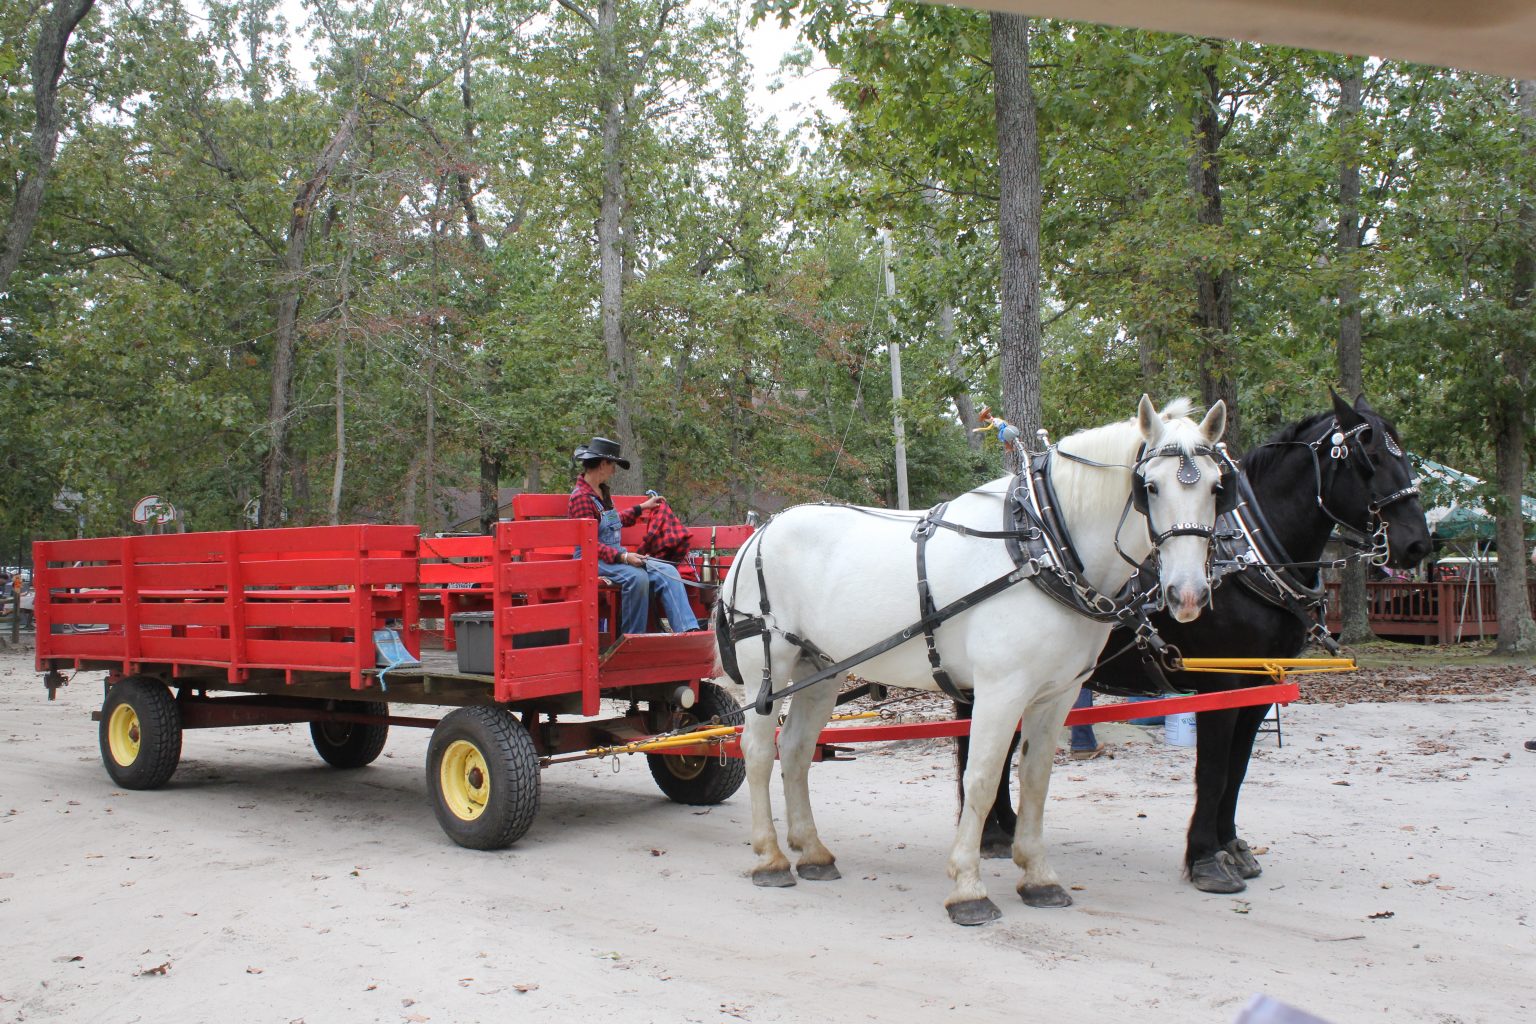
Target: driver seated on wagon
[(637, 575)]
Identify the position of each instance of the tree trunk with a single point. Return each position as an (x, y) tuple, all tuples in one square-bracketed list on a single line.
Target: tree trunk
[(433, 516), (339, 474), (958, 392), (47, 66), (1353, 607), (1213, 315), (490, 486), (286, 339), (1511, 415), (621, 372), (1018, 151)]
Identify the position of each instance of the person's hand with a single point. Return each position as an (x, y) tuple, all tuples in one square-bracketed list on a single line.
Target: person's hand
[(638, 561), (651, 502)]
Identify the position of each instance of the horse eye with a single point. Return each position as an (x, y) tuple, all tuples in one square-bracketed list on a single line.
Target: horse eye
[(1151, 487)]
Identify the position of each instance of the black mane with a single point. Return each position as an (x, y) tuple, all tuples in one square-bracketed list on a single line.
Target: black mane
[(1262, 457)]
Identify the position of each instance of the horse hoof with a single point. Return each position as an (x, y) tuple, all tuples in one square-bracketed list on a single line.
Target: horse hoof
[(818, 872), (777, 878), (973, 912), (1217, 873), (1245, 862), (1048, 897)]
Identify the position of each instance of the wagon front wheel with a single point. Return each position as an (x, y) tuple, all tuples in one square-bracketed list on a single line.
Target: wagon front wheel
[(351, 744), (140, 733), (483, 774), (706, 779)]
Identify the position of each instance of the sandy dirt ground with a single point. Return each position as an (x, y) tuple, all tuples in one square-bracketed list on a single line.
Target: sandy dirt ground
[(261, 885)]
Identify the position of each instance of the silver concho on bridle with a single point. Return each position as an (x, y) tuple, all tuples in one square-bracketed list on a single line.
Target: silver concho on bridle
[(1189, 473)]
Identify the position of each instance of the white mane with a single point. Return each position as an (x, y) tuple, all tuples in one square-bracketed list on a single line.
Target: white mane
[(1116, 444)]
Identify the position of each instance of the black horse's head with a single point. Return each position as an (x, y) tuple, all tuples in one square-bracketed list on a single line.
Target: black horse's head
[(1366, 475)]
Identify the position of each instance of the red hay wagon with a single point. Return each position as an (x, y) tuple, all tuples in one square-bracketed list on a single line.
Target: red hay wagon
[(296, 625), (293, 625)]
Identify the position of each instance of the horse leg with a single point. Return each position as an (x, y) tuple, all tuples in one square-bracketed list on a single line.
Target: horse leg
[(1038, 886), (992, 730), (1209, 867), (1001, 822), (809, 712), (1243, 735), (757, 750)]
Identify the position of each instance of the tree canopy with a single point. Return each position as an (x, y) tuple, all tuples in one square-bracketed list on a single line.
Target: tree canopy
[(361, 259)]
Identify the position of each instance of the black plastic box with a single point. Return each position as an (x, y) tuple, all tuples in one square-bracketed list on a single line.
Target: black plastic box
[(473, 635)]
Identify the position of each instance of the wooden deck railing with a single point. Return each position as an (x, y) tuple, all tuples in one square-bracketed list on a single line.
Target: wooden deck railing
[(1444, 612)]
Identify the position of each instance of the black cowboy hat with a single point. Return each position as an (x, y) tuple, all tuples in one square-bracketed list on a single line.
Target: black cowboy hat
[(601, 448)]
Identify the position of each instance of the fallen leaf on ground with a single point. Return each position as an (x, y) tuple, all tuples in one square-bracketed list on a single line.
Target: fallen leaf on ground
[(527, 986), (161, 970), (1382, 915), (253, 970)]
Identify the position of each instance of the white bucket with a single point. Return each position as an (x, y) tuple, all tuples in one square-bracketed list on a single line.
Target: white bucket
[(1179, 730)]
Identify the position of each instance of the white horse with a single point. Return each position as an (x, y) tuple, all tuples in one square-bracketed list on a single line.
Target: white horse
[(845, 578)]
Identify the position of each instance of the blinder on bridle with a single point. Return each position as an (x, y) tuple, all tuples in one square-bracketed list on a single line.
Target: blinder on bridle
[(1188, 475)]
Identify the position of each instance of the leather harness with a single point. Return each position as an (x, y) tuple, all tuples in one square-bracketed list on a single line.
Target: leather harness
[(1040, 547)]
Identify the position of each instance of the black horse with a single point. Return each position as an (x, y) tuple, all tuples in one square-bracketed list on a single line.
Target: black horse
[(1342, 469)]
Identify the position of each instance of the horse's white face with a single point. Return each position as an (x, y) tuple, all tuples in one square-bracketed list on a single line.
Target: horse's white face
[(1182, 489)]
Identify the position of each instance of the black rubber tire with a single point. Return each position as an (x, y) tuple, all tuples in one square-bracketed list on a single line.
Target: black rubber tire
[(702, 781), (510, 779), (157, 732), (349, 745)]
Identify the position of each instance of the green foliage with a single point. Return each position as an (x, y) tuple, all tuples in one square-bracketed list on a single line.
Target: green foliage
[(452, 268)]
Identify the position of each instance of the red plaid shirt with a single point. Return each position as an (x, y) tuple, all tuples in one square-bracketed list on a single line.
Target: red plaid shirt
[(588, 504), (665, 535)]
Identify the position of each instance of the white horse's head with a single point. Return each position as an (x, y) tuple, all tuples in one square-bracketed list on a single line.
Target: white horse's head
[(1177, 488)]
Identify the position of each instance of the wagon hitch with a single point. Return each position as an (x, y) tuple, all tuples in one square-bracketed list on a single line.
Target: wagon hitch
[(53, 681)]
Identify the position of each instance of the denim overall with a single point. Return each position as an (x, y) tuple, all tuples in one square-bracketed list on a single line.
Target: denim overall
[(635, 585)]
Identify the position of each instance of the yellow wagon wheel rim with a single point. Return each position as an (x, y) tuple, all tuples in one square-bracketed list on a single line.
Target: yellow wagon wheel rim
[(124, 735), (464, 780), (691, 766)]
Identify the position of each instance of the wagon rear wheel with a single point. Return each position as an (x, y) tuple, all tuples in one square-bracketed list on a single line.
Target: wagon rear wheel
[(140, 733), (483, 774), (351, 744), (704, 780)]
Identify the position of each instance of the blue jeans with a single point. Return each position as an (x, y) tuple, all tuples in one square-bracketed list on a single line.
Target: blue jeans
[(635, 586), (1082, 735)]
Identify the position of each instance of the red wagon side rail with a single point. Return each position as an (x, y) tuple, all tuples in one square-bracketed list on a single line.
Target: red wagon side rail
[(304, 599), (545, 640)]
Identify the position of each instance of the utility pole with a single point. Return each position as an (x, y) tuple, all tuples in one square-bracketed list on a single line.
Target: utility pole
[(893, 346)]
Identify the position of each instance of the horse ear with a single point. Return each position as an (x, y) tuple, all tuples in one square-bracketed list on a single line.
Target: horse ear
[(1362, 406), (1215, 422), (1148, 420), (1344, 411)]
